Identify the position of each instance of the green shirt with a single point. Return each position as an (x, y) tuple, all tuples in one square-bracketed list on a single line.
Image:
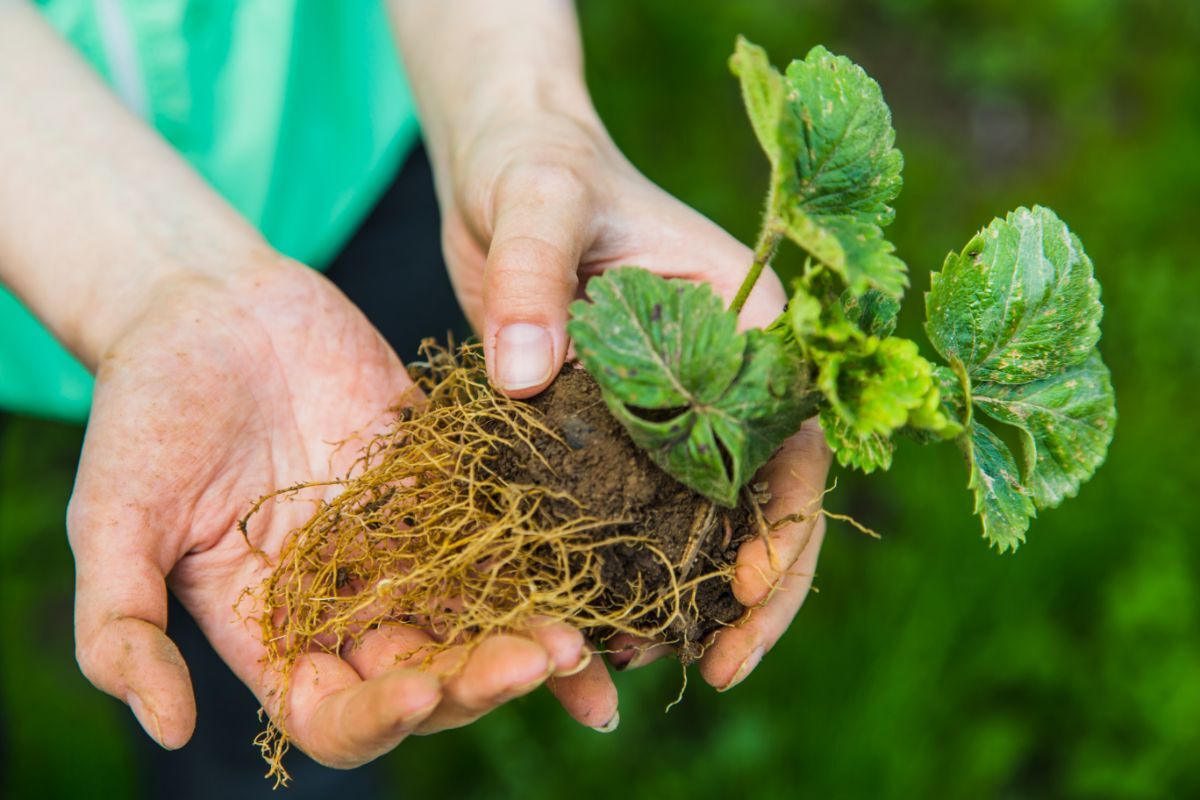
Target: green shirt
[(297, 111)]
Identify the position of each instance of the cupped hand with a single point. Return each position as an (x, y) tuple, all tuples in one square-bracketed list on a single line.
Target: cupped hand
[(533, 206), (219, 391)]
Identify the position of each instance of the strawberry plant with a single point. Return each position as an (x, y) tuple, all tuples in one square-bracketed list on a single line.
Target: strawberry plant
[(1015, 315)]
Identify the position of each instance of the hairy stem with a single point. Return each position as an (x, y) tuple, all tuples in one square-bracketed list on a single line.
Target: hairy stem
[(764, 251)]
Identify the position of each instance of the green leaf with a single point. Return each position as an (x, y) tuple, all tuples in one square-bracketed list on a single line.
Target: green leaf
[(845, 161), (1066, 423), (875, 386), (833, 197), (1001, 501), (804, 315), (1017, 314), (710, 405), (1018, 303), (867, 453), (834, 170), (856, 251), (873, 312)]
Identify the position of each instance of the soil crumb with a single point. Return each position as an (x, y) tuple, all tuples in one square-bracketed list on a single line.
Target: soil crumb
[(597, 463)]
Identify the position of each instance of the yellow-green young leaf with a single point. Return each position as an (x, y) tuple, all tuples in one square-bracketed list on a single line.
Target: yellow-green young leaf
[(873, 387), (1018, 303), (834, 167), (1001, 501), (710, 405), (1066, 423), (866, 453)]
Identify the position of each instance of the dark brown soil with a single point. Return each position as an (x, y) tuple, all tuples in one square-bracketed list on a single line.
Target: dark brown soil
[(602, 467)]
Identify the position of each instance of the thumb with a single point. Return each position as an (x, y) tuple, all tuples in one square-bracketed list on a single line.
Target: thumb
[(542, 227), (120, 638)]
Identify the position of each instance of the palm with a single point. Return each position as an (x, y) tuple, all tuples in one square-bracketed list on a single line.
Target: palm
[(256, 403), (214, 400)]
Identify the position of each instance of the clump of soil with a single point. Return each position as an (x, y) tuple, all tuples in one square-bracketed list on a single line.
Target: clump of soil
[(592, 458), (475, 514)]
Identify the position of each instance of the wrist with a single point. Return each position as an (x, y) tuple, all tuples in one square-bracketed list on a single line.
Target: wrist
[(511, 108), (477, 65), (93, 328)]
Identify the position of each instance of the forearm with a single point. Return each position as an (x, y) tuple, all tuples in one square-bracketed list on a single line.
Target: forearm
[(471, 61), (97, 213)]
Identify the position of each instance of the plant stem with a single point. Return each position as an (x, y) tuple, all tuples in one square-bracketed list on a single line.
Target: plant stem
[(764, 251)]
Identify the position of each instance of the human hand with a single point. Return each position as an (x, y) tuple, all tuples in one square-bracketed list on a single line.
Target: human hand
[(218, 390), (223, 373), (534, 203)]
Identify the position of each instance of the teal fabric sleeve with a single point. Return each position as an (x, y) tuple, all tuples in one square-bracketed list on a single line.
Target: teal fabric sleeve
[(297, 112)]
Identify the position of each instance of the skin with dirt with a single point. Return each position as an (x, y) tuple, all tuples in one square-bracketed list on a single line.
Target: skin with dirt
[(500, 512), (594, 460)]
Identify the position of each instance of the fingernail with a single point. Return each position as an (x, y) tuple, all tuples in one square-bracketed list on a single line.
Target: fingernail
[(524, 355), (585, 658), (609, 726), (622, 658), (147, 719), (647, 655), (745, 669)]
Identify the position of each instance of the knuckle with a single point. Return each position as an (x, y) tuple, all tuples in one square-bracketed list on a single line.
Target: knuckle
[(528, 280), (527, 264), (77, 513), (558, 180), (92, 664)]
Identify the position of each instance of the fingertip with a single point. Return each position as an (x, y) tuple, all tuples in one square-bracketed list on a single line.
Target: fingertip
[(410, 696), (502, 668), (724, 663), (589, 697), (564, 644), (171, 730), (135, 661), (744, 668), (753, 577)]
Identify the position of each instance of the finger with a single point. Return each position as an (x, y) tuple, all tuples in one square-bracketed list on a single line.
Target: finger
[(630, 652), (388, 648), (568, 651), (592, 695), (542, 226), (736, 651), (796, 480), (120, 639), (498, 669), (342, 721), (406, 645), (589, 696)]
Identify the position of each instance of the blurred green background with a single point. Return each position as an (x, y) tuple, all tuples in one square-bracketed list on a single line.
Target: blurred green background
[(926, 665)]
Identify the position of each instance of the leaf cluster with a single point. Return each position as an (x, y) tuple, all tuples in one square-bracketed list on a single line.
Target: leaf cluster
[(1015, 314)]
